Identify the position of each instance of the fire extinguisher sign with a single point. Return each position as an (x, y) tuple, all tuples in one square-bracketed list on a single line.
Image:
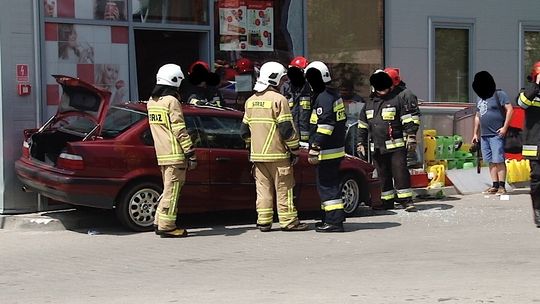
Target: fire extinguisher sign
[(22, 73)]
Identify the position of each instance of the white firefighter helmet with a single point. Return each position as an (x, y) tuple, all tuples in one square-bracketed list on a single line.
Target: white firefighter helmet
[(321, 67), (269, 75), (170, 74)]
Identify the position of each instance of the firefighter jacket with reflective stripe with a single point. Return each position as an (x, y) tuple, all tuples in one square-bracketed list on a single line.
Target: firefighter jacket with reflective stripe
[(300, 104), (267, 127), (388, 120), (327, 122), (202, 96), (171, 139), (529, 99)]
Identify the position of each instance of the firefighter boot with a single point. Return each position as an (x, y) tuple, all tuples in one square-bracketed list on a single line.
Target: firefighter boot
[(408, 206), (264, 227), (327, 227), (295, 226), (175, 233), (536, 206), (537, 217)]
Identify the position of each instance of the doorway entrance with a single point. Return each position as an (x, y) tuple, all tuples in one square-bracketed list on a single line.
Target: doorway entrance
[(155, 48)]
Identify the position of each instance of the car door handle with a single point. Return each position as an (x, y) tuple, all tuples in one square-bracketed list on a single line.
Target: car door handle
[(223, 158)]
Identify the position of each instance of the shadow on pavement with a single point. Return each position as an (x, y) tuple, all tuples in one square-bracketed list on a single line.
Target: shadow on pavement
[(426, 206), (224, 231), (419, 198), (94, 221), (349, 227), (518, 191)]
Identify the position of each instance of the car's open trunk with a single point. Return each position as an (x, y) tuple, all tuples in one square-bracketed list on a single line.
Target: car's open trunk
[(81, 109), (47, 146)]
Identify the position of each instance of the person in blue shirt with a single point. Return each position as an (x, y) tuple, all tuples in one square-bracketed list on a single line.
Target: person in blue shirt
[(493, 113)]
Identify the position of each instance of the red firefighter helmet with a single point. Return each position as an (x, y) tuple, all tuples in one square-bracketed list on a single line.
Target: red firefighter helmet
[(244, 65), (201, 63), (394, 74), (299, 62), (534, 72)]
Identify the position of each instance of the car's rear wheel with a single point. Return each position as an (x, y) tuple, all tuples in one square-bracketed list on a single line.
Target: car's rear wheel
[(137, 206), (350, 193)]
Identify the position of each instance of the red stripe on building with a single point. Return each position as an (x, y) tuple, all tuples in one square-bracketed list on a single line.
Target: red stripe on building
[(51, 32), (53, 94), (86, 72), (66, 8), (119, 34)]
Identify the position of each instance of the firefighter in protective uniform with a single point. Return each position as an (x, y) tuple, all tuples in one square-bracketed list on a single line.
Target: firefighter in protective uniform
[(299, 95), (267, 127), (392, 125), (173, 146), (201, 87), (327, 145), (529, 100), (411, 106)]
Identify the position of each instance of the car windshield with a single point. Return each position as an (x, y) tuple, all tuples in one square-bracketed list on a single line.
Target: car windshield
[(120, 119)]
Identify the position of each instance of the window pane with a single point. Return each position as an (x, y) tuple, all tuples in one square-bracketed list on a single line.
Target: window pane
[(451, 65), (531, 52), (348, 35), (171, 11), (193, 132), (222, 132), (89, 9), (249, 33), (119, 120)]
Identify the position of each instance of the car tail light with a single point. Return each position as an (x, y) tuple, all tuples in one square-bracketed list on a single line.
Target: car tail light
[(70, 161), (25, 149)]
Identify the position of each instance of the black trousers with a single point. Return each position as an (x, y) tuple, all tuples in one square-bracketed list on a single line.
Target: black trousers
[(535, 183), (328, 182), (394, 174)]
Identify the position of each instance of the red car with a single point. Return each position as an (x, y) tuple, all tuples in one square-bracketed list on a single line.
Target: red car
[(94, 155)]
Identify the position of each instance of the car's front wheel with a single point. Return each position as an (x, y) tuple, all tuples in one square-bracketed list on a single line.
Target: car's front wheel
[(137, 206), (350, 193)]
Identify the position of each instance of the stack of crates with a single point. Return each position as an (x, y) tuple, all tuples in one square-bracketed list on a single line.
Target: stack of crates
[(441, 150)]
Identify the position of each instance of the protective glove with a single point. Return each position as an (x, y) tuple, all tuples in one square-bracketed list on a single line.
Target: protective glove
[(192, 163), (192, 159), (313, 157), (361, 150), (294, 157), (411, 143)]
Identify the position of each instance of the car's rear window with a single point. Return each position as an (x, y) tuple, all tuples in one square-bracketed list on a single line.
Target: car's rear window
[(120, 119)]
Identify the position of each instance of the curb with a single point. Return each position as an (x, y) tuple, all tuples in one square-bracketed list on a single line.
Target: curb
[(69, 219), (30, 222)]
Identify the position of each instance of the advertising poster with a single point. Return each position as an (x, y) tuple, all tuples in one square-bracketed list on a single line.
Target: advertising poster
[(95, 54), (246, 25)]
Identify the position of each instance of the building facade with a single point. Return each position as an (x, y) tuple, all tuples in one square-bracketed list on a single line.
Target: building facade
[(120, 44)]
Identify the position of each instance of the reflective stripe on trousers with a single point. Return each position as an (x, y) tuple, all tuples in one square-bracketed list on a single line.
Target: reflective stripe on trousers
[(167, 210), (394, 174), (275, 179), (328, 185)]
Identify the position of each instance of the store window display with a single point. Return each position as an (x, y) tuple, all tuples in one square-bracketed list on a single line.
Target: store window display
[(114, 10), (249, 33)]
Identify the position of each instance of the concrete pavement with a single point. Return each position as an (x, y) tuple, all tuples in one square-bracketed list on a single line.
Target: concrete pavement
[(462, 249)]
